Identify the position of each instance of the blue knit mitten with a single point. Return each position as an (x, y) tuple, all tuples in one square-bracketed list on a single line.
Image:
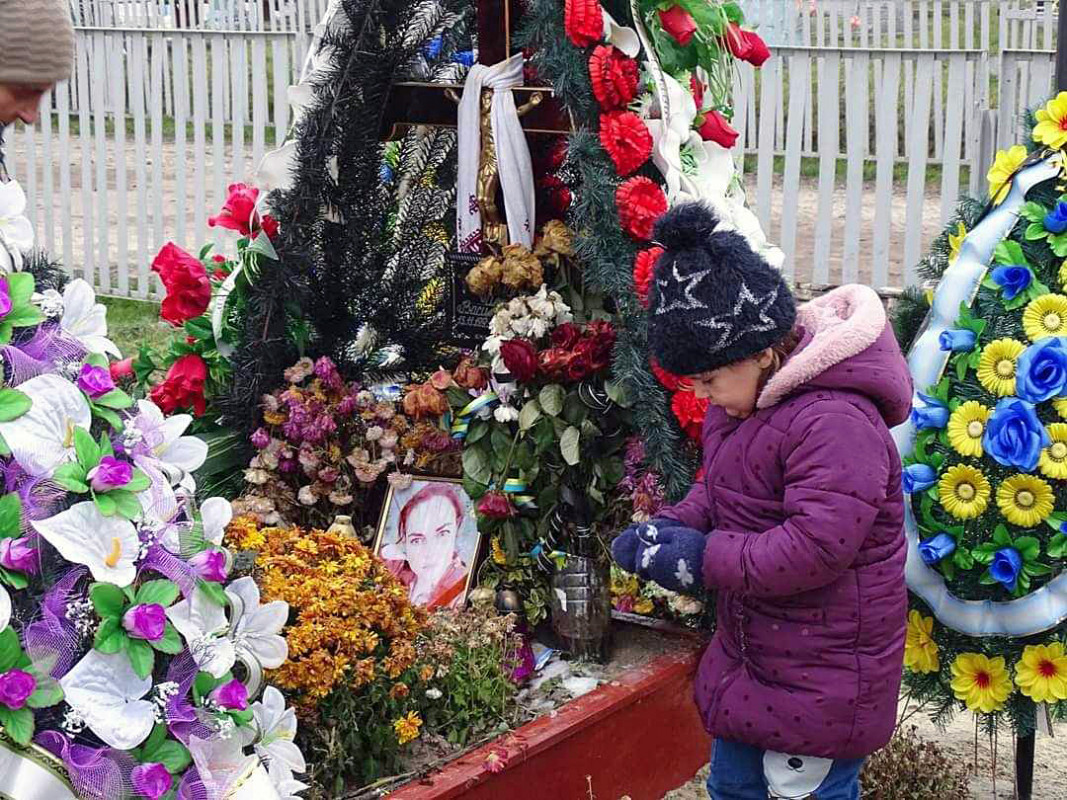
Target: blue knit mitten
[(664, 551)]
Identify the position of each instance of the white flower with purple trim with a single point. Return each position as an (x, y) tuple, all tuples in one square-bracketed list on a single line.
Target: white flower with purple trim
[(43, 438), (108, 546), (159, 441), (85, 319)]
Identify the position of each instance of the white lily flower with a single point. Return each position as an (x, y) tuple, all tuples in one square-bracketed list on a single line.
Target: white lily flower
[(203, 625), (219, 762), (164, 443), (16, 232), (43, 437), (285, 784), (106, 692), (85, 319), (215, 514), (277, 730), (108, 546), (256, 630), (5, 609)]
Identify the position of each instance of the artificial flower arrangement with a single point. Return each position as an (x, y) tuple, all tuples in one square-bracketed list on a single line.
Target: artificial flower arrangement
[(988, 476), (125, 649)]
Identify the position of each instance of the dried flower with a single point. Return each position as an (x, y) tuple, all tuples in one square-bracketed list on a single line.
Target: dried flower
[(522, 269), (556, 237), (485, 276)]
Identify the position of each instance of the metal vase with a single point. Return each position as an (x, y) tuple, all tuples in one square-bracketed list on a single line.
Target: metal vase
[(581, 608)]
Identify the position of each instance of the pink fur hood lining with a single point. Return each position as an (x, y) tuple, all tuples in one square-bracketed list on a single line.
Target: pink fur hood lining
[(841, 324)]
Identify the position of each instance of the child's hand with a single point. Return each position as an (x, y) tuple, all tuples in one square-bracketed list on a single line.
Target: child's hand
[(664, 551)]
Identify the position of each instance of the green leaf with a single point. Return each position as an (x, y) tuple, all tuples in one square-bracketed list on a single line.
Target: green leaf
[(214, 592), (987, 579), (1035, 231), (1057, 545), (477, 431), (1029, 547), (152, 743), (1010, 252), (16, 580), (551, 399), (10, 649), (1033, 211), (961, 362), (1001, 536), (126, 503), (569, 446), (170, 643), (618, 393), (138, 483), (1017, 302), (108, 600), (106, 504), (108, 416), (25, 317), (47, 693), (110, 637), (142, 657), (18, 724), (161, 592), (204, 684), (948, 568), (13, 404), (476, 465), (173, 755), (963, 558), (200, 328), (1058, 243), (10, 515), (1036, 570), (88, 451), (115, 399), (20, 287), (531, 412)]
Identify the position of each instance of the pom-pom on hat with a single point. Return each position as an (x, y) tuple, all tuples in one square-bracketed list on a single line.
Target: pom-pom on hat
[(714, 301)]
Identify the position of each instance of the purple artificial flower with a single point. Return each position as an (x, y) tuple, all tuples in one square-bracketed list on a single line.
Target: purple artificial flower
[(110, 474), (15, 687), (95, 381), (260, 439), (5, 298), (210, 565), (232, 696), (151, 780), (146, 621), (18, 555)]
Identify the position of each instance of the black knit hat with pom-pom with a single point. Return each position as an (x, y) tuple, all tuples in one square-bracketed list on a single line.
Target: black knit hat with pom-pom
[(713, 301)]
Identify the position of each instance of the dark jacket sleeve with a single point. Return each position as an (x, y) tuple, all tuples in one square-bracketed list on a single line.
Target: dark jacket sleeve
[(836, 481)]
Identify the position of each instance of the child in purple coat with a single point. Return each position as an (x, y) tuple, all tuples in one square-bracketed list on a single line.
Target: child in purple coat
[(798, 522)]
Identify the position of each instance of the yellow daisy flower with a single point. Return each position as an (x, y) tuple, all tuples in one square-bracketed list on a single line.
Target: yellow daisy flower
[(920, 649), (1004, 166), (966, 426), (1025, 500), (1041, 673), (1053, 463), (1051, 128), (980, 682), (964, 492), (996, 367), (407, 728), (955, 241), (1046, 316), (1061, 408)]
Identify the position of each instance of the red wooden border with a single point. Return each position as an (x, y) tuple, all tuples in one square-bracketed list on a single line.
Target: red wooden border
[(639, 736)]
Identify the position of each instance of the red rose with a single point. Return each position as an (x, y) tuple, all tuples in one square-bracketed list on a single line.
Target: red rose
[(716, 129), (183, 387), (668, 380), (187, 284), (645, 272), (496, 505), (640, 202), (121, 369), (602, 336), (690, 413), (580, 365), (697, 88), (746, 45), (237, 212), (520, 358), (270, 227), (566, 335), (554, 362), (679, 23), (627, 140), (583, 21), (614, 77)]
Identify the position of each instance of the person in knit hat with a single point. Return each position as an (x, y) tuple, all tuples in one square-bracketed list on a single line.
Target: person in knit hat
[(797, 522), (36, 52)]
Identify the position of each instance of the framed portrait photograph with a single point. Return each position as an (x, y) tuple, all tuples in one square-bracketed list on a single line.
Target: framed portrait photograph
[(428, 538)]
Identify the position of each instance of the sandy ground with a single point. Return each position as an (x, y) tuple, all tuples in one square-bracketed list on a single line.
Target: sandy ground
[(1050, 762)]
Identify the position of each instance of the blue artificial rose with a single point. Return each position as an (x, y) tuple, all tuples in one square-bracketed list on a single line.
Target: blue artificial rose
[(432, 48), (1006, 566), (464, 57), (934, 414), (1056, 219), (1014, 436), (958, 340), (918, 478), (1041, 370), (1012, 279), (936, 548)]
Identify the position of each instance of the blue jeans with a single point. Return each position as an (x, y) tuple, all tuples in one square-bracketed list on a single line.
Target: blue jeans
[(741, 772)]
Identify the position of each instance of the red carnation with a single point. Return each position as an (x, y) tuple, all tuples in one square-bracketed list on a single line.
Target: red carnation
[(183, 387), (668, 380), (679, 23), (690, 412), (716, 129), (640, 202), (520, 358), (645, 271), (237, 212), (187, 284), (583, 21), (627, 140), (746, 45), (614, 77), (697, 88)]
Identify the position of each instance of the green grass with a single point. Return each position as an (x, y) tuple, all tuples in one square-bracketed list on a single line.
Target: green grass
[(131, 323)]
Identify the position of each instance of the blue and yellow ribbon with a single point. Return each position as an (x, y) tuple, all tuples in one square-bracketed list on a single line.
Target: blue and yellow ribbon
[(461, 425)]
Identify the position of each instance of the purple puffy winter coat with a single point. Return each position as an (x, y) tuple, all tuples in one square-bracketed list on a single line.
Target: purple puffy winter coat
[(804, 511)]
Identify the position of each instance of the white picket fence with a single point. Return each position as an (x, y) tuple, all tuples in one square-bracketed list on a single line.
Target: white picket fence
[(249, 15)]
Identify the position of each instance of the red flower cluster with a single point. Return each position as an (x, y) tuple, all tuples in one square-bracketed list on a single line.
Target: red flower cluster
[(716, 129), (183, 387), (187, 284), (520, 359), (239, 213), (627, 140), (583, 21), (640, 202), (746, 45), (576, 354), (690, 412), (614, 77), (557, 193), (679, 24), (668, 380), (645, 271), (496, 505)]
